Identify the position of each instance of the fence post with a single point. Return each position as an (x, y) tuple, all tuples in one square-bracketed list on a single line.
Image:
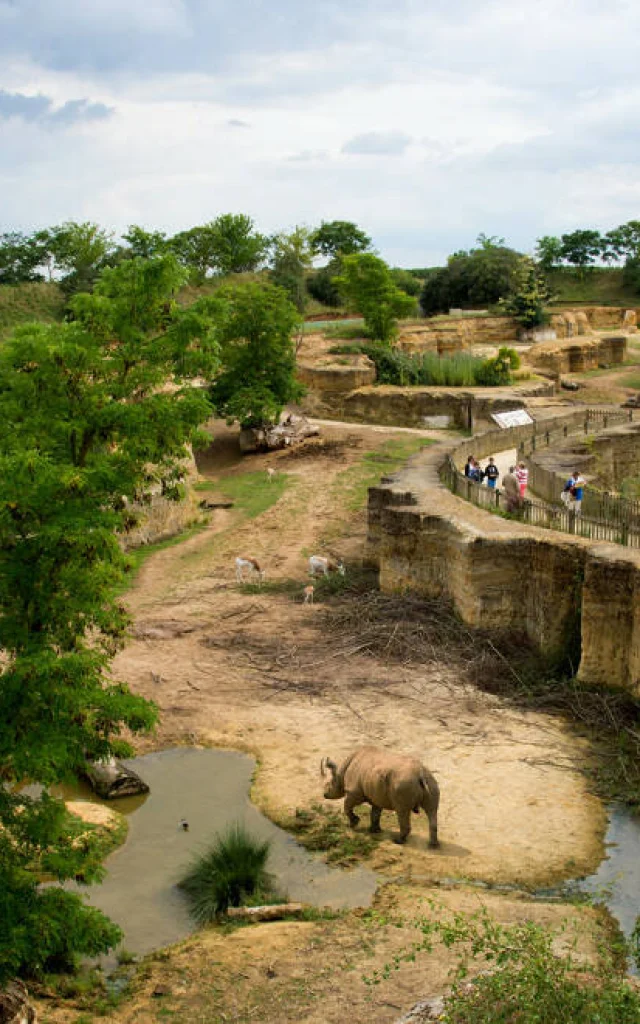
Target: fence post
[(624, 532)]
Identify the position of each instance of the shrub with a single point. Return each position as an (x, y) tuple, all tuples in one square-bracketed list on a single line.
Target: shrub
[(480, 276), (525, 979), (430, 369), (530, 296), (232, 870), (321, 285)]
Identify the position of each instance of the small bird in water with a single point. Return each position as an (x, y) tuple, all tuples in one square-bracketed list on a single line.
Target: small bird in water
[(184, 825)]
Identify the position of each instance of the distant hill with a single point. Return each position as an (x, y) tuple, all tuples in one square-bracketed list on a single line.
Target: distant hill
[(602, 286), (21, 303)]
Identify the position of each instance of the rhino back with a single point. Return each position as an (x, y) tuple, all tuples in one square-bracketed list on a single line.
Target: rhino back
[(385, 779)]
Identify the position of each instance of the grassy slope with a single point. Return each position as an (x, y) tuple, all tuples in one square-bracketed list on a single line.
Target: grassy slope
[(23, 303), (600, 287)]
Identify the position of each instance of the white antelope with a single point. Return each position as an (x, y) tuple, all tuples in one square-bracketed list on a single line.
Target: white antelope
[(319, 565), (270, 474), (308, 594), (251, 566)]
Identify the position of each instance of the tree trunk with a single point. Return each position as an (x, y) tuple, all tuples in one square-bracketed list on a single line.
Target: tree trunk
[(15, 1007), (111, 779), (268, 913)]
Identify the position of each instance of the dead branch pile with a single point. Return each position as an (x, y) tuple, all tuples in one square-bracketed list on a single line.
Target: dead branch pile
[(330, 448)]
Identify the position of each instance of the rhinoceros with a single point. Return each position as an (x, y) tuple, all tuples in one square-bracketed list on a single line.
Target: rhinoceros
[(387, 781)]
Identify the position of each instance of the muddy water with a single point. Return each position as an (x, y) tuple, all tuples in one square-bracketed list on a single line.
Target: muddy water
[(617, 880), (208, 789)]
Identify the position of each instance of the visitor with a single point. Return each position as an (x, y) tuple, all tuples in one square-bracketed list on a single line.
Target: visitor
[(574, 487), (492, 473), (511, 489), (522, 476), (475, 472), (469, 463)]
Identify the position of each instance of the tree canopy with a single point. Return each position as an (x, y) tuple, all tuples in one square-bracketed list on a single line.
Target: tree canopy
[(479, 277), (89, 417), (368, 287), (255, 323), (339, 238)]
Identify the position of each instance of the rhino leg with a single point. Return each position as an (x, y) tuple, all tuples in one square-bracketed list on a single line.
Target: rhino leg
[(404, 821), (433, 828), (349, 803), (376, 813)]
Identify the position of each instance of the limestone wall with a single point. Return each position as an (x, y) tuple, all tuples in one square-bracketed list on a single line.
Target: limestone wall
[(456, 333), (577, 355), (158, 517), (500, 574), (421, 406)]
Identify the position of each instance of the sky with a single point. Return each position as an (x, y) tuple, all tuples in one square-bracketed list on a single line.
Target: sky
[(424, 121)]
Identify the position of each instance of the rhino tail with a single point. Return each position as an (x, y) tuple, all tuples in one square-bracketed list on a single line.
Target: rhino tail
[(430, 786)]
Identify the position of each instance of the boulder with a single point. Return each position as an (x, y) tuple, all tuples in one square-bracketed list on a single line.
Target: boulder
[(111, 779), (15, 1007)]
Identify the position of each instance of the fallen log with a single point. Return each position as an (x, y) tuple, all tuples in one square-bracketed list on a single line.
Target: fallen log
[(15, 1007), (111, 779), (267, 913)]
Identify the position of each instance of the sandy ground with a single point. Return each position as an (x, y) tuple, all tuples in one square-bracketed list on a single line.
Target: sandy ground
[(257, 672)]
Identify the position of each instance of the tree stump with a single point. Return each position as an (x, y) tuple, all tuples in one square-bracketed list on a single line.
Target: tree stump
[(111, 779), (15, 1007)]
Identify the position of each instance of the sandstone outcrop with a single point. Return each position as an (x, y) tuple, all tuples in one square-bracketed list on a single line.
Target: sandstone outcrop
[(575, 355)]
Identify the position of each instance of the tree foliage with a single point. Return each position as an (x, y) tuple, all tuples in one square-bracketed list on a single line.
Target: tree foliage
[(79, 252), (368, 287), (290, 263), (481, 276), (89, 417), (21, 258), (529, 296), (582, 248), (255, 323), (549, 252), (339, 238), (227, 245)]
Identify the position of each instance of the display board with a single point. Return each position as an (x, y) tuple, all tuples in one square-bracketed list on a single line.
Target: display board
[(517, 418)]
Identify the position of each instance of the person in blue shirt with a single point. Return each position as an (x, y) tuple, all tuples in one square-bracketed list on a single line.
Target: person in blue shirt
[(492, 473), (574, 487)]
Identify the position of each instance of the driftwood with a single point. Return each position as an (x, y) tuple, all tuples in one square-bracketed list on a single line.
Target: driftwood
[(111, 779), (15, 1007), (268, 913)]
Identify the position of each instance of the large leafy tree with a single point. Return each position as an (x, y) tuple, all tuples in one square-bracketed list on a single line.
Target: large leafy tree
[(89, 415), (79, 252), (582, 248), (548, 252), (481, 276), (255, 324), (291, 260), (227, 245), (368, 287), (21, 258), (339, 238), (145, 244)]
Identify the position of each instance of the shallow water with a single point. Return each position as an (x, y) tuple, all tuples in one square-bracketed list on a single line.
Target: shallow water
[(617, 880), (209, 789)]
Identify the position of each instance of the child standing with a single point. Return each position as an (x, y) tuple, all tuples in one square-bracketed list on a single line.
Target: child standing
[(492, 473)]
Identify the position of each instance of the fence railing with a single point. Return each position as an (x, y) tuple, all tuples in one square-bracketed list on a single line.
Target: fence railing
[(619, 521)]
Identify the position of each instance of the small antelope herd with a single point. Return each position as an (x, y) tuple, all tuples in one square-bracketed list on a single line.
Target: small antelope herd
[(249, 568)]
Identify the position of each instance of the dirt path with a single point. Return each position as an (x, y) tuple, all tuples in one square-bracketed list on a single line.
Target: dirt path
[(257, 673)]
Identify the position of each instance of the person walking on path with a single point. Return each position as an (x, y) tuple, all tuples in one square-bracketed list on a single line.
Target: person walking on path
[(492, 473), (511, 490), (469, 463), (522, 476), (574, 487)]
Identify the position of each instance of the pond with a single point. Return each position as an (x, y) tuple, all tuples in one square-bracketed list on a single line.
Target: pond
[(616, 883), (209, 789)]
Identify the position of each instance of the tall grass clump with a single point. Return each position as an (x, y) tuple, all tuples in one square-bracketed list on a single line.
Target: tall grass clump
[(430, 369), (228, 874)]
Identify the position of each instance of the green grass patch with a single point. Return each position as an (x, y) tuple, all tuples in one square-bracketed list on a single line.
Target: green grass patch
[(601, 286), (632, 381), (319, 829), (253, 493), (138, 556), (350, 487), (26, 303), (232, 873), (286, 588)]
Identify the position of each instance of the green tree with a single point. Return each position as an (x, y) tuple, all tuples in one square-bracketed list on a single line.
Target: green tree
[(227, 245), (322, 284), (89, 416), (291, 260), (529, 297), (339, 238), (367, 284), (406, 281), (145, 244), (79, 252), (255, 323), (481, 276), (21, 257), (582, 249), (548, 252)]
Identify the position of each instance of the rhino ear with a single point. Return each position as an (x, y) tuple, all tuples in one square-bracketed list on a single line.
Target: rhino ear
[(331, 765), (323, 767)]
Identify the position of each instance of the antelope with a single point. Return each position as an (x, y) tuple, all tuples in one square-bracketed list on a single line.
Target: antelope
[(319, 565), (270, 474), (251, 566), (308, 594)]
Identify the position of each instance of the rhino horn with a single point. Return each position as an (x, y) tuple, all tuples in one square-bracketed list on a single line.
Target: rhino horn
[(331, 765)]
